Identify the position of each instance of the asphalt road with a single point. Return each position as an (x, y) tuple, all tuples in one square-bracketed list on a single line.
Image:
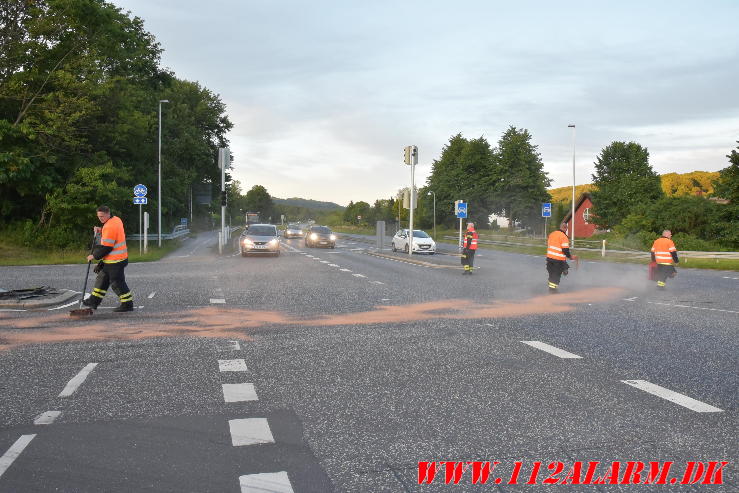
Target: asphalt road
[(340, 369)]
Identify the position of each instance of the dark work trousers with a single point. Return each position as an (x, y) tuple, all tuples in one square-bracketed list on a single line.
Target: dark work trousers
[(112, 276), (468, 259), (663, 272), (556, 268)]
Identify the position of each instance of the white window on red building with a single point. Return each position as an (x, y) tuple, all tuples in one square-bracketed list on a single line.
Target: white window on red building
[(586, 215)]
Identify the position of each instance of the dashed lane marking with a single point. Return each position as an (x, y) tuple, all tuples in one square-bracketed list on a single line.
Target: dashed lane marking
[(63, 306), (630, 299), (77, 380), (239, 392), (561, 353), (359, 275), (250, 431), (266, 482), (152, 294), (332, 265), (46, 418), (345, 270), (231, 365), (376, 282), (15, 450), (324, 261), (230, 346), (217, 300), (693, 307), (672, 396)]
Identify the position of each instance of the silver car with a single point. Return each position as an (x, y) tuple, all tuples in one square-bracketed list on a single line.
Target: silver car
[(260, 239), (293, 231)]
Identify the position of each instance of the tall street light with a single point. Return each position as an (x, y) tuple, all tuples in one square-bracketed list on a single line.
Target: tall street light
[(159, 181), (430, 192), (572, 216)]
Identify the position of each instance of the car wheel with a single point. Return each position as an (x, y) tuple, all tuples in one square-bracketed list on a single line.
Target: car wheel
[(243, 254), (406, 248), (277, 253), (394, 249)]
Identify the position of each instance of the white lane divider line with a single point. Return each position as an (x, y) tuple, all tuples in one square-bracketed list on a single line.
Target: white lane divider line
[(217, 301), (332, 265), (359, 275), (324, 261), (250, 431), (309, 256), (77, 380), (47, 418), (672, 396), (64, 306), (152, 294), (231, 365), (630, 299), (15, 450), (345, 270), (376, 282), (385, 299), (266, 482), (693, 307), (239, 392), (561, 353)]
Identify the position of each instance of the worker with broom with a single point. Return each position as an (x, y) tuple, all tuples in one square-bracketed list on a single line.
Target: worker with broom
[(113, 256)]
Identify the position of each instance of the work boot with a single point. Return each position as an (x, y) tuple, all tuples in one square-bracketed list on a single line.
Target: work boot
[(126, 306), (553, 291), (92, 302)]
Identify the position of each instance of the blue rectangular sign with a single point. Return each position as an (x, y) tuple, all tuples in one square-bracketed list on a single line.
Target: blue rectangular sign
[(546, 209), (461, 210), (140, 200)]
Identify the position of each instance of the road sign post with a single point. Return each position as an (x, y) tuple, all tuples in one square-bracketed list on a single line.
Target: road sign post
[(460, 210), (411, 158), (546, 213), (139, 198)]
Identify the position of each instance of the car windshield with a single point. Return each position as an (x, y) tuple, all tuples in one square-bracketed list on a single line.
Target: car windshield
[(293, 226), (262, 231), (417, 233), (321, 230)]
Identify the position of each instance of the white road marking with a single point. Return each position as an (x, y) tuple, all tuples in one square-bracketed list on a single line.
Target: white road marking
[(345, 270), (64, 306), (217, 300), (77, 380), (239, 392), (231, 365), (490, 325), (551, 349), (376, 282), (359, 275), (152, 294), (250, 431), (266, 482), (231, 346), (332, 265), (385, 299), (324, 261), (693, 307), (15, 450), (672, 396), (46, 418), (15, 310)]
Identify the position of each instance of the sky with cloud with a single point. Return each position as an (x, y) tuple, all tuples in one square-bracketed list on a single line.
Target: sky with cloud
[(324, 95)]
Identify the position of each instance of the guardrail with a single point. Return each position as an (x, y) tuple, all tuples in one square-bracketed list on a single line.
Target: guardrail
[(178, 232), (684, 254)]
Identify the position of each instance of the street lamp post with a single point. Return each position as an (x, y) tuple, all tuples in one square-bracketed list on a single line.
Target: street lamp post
[(430, 192), (572, 215), (159, 181)]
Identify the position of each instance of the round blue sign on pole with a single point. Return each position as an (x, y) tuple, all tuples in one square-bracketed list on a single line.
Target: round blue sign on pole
[(139, 190)]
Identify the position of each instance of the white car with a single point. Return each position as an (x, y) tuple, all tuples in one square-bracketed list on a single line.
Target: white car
[(422, 242)]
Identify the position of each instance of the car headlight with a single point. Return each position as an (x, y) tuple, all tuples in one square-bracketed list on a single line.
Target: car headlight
[(333, 237), (273, 242), (248, 242), (313, 236)]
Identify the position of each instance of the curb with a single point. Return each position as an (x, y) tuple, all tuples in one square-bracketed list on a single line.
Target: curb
[(64, 295), (412, 261)]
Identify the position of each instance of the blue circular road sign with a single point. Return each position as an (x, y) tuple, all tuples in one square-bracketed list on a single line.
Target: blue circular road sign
[(140, 190)]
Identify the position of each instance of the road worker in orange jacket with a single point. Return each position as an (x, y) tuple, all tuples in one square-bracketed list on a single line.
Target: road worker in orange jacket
[(113, 256), (558, 251), (665, 254), (469, 247)]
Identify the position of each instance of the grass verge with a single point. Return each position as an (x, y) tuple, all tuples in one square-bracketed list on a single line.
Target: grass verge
[(11, 254)]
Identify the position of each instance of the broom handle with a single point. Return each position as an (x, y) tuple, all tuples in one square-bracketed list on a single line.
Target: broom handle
[(87, 274)]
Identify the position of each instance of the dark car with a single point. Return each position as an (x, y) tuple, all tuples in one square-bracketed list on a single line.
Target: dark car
[(320, 236), (260, 239), (293, 231)]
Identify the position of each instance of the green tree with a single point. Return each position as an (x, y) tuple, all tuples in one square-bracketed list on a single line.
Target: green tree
[(624, 180), (259, 200)]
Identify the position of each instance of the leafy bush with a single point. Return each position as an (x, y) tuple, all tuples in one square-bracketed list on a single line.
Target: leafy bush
[(684, 241)]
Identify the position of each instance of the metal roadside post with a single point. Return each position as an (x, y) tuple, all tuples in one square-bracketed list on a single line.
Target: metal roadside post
[(380, 232), (411, 158), (139, 198), (224, 161), (146, 232)]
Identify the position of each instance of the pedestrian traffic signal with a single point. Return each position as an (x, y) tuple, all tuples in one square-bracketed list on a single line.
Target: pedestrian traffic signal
[(410, 155)]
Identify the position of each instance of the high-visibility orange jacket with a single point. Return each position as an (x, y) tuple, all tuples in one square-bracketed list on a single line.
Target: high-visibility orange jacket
[(114, 237), (558, 246), (470, 239), (664, 251)]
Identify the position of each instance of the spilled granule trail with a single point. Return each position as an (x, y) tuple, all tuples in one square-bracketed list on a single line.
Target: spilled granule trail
[(224, 322)]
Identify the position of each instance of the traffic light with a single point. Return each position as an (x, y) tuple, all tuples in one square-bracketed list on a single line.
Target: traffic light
[(223, 199), (410, 155)]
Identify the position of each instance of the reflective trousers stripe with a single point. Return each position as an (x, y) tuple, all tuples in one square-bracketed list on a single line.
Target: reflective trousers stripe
[(552, 285)]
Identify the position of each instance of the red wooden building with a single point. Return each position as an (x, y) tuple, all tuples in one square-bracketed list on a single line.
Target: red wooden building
[(584, 226)]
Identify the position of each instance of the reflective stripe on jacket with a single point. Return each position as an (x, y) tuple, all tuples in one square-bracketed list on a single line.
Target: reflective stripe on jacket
[(662, 249), (556, 244), (113, 236), (470, 240)]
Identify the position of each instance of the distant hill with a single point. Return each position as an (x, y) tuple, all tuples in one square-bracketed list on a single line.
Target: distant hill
[(673, 184), (307, 203)]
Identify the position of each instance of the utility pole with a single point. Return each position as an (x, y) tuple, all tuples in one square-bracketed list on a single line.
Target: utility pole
[(159, 181), (411, 158), (572, 215)]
